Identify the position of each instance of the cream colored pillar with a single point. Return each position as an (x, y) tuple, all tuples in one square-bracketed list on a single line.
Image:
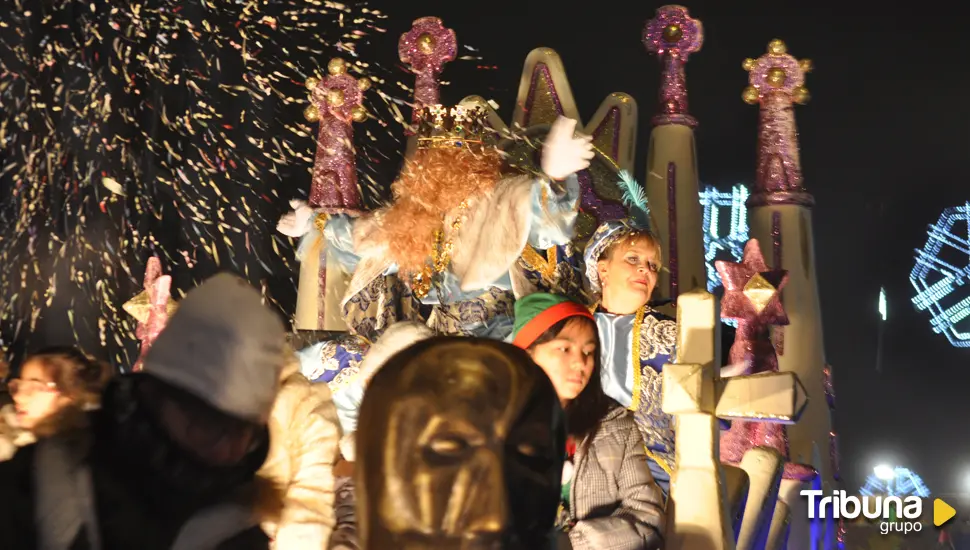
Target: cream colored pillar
[(672, 181), (780, 217)]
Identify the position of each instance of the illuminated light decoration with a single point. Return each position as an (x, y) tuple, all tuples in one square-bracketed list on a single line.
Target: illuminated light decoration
[(882, 303), (720, 242), (941, 276), (902, 483)]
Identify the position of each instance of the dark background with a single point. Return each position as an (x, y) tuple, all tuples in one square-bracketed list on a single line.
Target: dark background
[(883, 145)]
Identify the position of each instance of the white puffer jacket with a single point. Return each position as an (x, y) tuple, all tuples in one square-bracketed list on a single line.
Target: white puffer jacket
[(304, 433)]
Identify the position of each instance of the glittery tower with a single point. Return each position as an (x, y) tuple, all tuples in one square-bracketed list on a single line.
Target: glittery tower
[(672, 188), (780, 217), (426, 48), (335, 102), (752, 298)]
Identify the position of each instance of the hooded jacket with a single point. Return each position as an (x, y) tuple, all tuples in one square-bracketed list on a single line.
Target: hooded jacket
[(127, 481), (304, 433)]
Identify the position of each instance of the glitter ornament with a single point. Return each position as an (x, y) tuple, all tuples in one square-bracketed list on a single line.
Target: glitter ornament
[(752, 295), (153, 318), (337, 101), (672, 36), (426, 48), (776, 80)]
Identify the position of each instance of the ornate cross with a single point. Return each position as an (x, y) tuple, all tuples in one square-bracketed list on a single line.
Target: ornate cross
[(695, 394), (426, 48), (336, 102), (776, 80), (673, 35)]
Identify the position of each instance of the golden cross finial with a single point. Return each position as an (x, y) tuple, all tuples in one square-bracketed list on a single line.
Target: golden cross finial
[(776, 72)]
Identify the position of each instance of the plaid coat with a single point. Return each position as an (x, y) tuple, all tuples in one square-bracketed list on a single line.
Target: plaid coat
[(615, 504)]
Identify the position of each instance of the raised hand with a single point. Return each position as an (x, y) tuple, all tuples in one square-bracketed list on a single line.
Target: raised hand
[(297, 222), (565, 153)]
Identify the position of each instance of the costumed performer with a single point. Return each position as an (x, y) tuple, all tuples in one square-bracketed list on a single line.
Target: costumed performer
[(609, 498), (623, 259), (456, 227)]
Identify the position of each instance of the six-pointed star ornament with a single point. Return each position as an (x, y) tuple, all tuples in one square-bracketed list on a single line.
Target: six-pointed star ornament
[(751, 290)]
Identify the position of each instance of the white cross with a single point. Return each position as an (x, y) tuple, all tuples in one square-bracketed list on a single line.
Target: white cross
[(694, 393)]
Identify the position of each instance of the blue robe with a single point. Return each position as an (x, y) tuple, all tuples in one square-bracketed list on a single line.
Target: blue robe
[(639, 387), (484, 312)]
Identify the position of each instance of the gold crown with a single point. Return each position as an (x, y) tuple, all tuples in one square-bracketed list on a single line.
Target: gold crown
[(459, 126)]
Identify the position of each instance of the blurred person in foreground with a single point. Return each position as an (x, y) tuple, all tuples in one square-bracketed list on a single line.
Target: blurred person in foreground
[(304, 434), (53, 392), (170, 459), (460, 446)]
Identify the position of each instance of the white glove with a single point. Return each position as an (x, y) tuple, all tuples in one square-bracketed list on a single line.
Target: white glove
[(296, 223), (565, 153)]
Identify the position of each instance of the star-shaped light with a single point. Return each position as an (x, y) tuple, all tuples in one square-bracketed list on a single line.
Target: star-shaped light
[(752, 291)]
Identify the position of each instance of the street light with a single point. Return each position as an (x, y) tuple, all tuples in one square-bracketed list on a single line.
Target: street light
[(885, 472)]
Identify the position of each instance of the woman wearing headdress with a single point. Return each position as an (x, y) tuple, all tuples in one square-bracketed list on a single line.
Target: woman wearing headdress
[(623, 259)]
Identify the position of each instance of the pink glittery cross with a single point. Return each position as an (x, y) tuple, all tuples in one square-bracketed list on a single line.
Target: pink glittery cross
[(673, 35), (753, 347), (158, 287), (779, 174), (426, 48), (334, 183)]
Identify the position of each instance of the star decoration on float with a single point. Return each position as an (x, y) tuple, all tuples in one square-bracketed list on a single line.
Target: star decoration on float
[(156, 287), (752, 292)]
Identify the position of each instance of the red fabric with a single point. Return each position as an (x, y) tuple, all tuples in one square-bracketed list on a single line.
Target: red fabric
[(570, 447), (546, 319)]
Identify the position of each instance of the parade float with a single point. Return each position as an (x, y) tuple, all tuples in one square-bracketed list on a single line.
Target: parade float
[(746, 445)]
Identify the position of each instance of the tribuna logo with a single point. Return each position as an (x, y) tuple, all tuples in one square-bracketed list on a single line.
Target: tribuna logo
[(899, 515)]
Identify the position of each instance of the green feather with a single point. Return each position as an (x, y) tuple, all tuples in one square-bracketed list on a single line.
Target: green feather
[(634, 198)]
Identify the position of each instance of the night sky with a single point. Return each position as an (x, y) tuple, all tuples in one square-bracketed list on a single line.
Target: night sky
[(882, 145)]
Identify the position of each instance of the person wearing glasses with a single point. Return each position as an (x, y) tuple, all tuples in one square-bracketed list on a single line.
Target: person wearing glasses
[(56, 385)]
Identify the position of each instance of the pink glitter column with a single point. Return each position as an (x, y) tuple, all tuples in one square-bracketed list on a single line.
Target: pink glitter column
[(776, 81), (672, 36), (158, 287), (336, 103), (751, 296), (426, 48)]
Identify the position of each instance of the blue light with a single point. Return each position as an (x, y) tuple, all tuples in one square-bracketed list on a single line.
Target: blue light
[(903, 483), (721, 243), (941, 275)]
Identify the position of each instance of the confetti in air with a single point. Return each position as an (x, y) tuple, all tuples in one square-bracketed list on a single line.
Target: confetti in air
[(173, 128)]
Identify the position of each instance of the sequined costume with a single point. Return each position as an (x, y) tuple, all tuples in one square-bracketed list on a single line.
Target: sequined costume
[(474, 297)]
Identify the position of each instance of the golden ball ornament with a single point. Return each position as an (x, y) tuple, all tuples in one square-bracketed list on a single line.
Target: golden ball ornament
[(673, 33), (364, 84), (749, 64), (776, 77), (426, 44), (800, 95), (358, 113), (337, 66), (335, 97), (750, 95), (312, 82), (777, 47), (311, 113), (805, 65)]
